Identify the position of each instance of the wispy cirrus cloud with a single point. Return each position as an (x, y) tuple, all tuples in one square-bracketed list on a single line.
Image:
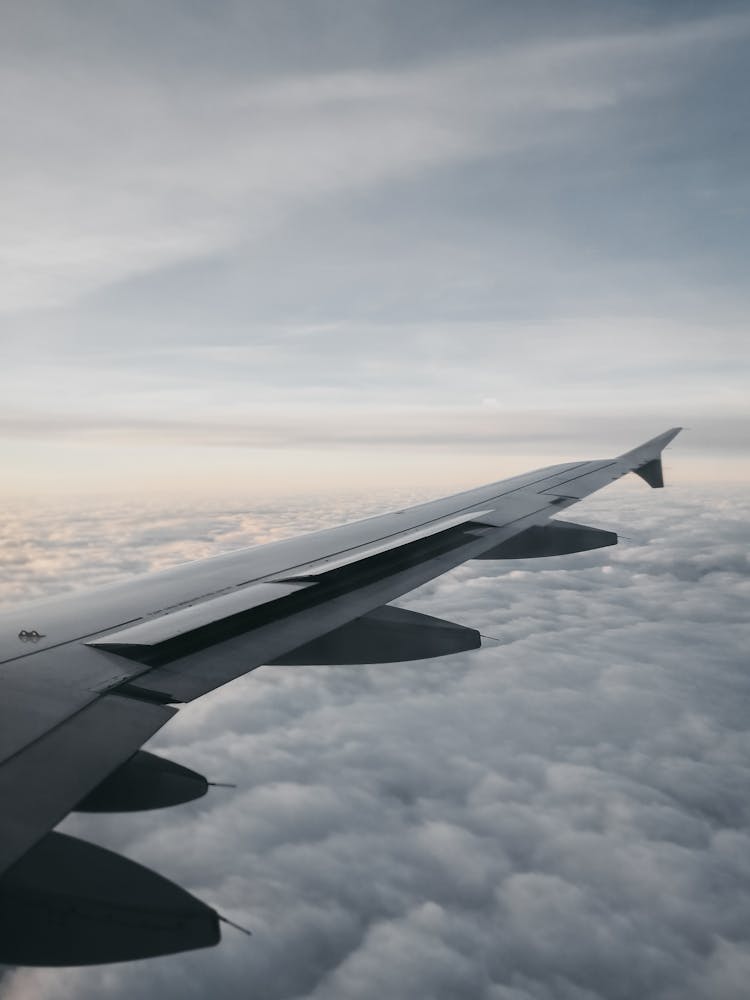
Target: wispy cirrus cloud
[(110, 175)]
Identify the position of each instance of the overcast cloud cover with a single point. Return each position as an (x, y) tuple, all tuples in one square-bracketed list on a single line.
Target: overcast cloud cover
[(563, 814), (244, 238)]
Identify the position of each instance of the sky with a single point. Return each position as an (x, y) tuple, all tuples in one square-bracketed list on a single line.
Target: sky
[(561, 815), (273, 246)]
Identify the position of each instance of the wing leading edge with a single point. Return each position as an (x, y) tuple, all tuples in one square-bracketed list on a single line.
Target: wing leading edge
[(130, 653)]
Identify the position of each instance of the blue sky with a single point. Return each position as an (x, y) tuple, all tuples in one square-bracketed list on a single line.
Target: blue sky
[(281, 243)]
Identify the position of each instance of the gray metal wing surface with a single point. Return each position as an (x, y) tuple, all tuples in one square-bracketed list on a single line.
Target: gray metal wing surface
[(87, 679)]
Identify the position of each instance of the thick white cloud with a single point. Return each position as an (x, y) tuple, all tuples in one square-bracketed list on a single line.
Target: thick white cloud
[(561, 814)]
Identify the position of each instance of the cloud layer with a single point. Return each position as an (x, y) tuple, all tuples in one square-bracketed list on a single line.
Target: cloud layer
[(561, 814)]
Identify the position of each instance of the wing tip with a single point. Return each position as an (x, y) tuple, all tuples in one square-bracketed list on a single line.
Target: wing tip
[(654, 446), (647, 458), (661, 440)]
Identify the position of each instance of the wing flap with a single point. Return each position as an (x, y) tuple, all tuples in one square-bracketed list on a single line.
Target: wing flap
[(177, 633), (322, 567), (351, 592)]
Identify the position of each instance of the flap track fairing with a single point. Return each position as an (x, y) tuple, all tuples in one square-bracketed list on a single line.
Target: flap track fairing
[(386, 635), (68, 902), (145, 782), (557, 538)]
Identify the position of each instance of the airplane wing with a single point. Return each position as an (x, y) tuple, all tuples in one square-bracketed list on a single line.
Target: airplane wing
[(87, 679)]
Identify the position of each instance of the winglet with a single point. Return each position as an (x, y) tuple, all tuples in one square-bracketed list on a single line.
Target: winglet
[(652, 473), (646, 458)]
